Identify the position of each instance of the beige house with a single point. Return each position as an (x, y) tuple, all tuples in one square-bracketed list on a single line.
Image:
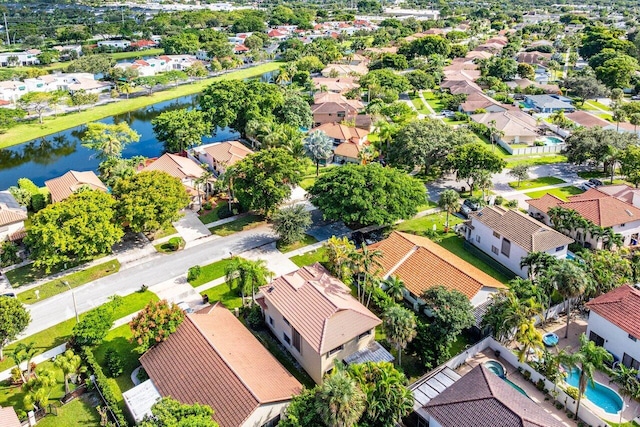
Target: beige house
[(64, 186), (331, 107), (315, 317), (516, 127), (220, 155), (183, 168), (12, 217), (347, 141)]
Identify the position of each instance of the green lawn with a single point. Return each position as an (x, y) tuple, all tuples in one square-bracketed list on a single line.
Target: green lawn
[(29, 273), (241, 224), (594, 105), (136, 54), (11, 395), (169, 230), (27, 131), (535, 160), (563, 192), (543, 181), (319, 255), (211, 272), (220, 211), (428, 205), (77, 412), (306, 241), (418, 225), (417, 102), (433, 101), (167, 248), (309, 177), (60, 333), (229, 298), (455, 245), (74, 280), (453, 122)]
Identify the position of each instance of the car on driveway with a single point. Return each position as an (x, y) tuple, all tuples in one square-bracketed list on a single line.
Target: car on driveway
[(596, 182), (587, 186), (447, 113), (9, 294), (469, 206)]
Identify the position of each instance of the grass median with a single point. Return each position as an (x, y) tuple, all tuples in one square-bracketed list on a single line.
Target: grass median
[(241, 224), (319, 255), (211, 272), (27, 131)]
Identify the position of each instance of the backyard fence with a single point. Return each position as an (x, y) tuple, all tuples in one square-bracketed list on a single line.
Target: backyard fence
[(520, 151)]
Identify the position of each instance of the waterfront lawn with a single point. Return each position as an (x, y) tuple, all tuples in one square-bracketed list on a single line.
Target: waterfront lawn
[(76, 279), (60, 333), (241, 224), (543, 181), (563, 192), (229, 298), (319, 255), (211, 272), (27, 131), (306, 241)]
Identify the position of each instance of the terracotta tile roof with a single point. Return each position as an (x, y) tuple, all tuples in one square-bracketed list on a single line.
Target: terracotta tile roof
[(329, 97), (64, 186), (534, 58), (228, 152), (18, 235), (512, 122), (214, 360), (620, 306), (10, 210), (320, 307), (460, 86), (8, 417), (478, 100), (588, 120), (348, 149), (340, 84), (423, 264), (521, 229), (478, 54), (545, 202), (482, 399), (341, 132), (622, 192), (176, 166), (345, 69)]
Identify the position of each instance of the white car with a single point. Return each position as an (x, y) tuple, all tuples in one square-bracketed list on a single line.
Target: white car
[(587, 185)]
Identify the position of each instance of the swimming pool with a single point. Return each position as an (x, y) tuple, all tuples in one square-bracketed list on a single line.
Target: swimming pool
[(498, 369), (600, 395), (571, 256), (551, 140)]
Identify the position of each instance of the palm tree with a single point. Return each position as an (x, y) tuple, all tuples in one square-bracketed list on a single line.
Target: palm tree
[(202, 182), (283, 77), (449, 202), (69, 363), (530, 339), (246, 275), (367, 154), (367, 264), (38, 388), (493, 133), (628, 384), (618, 115), (340, 252), (395, 287), (340, 402), (537, 261), (125, 87), (570, 280), (634, 119), (483, 181), (318, 146), (588, 358), (611, 239), (385, 131), (399, 325)]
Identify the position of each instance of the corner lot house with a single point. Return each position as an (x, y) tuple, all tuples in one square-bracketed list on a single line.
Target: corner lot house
[(214, 360), (509, 235), (614, 323), (12, 217), (220, 155), (423, 264), (317, 320), (64, 186)]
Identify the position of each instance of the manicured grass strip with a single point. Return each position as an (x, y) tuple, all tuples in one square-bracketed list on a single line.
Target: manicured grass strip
[(167, 248), (60, 333), (417, 102), (306, 241), (211, 272), (309, 178), (455, 245), (136, 54), (595, 105), (29, 273), (543, 181), (169, 230), (419, 225), (563, 192), (319, 255), (536, 160), (76, 279), (433, 101), (229, 298), (27, 131), (221, 211), (77, 412), (241, 224)]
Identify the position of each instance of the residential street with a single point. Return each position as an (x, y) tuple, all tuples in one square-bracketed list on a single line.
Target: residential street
[(60, 307)]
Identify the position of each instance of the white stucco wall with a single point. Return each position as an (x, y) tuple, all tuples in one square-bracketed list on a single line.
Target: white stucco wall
[(616, 341), (265, 413)]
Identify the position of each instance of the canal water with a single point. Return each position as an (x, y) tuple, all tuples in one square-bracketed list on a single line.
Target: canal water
[(44, 158)]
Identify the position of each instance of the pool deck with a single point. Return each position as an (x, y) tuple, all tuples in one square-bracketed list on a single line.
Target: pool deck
[(516, 377), (577, 327)]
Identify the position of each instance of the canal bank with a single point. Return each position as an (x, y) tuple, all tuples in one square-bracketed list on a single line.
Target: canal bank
[(29, 131)]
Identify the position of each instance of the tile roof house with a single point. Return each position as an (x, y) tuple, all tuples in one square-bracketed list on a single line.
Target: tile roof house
[(317, 320), (423, 264), (549, 103), (344, 70), (600, 208), (455, 87), (64, 186), (330, 107), (12, 217), (8, 417), (614, 323), (482, 399), (540, 59), (347, 141), (509, 235), (183, 168), (517, 127), (337, 85), (220, 155), (213, 359), (479, 101)]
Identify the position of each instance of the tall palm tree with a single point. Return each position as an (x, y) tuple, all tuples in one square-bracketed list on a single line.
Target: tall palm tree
[(395, 287), (399, 325), (340, 402), (628, 385), (385, 131), (69, 363), (202, 182), (366, 263), (588, 358), (529, 338), (570, 280), (634, 119), (537, 262), (318, 146), (340, 252), (246, 275), (367, 154), (449, 202)]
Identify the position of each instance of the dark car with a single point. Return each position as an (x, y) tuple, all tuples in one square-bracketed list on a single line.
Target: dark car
[(9, 294), (596, 182), (469, 206)]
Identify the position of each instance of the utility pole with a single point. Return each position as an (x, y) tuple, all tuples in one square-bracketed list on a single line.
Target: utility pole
[(6, 28)]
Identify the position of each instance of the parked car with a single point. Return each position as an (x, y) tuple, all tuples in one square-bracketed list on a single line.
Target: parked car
[(596, 182), (9, 294), (469, 206), (635, 97), (447, 113), (587, 186)]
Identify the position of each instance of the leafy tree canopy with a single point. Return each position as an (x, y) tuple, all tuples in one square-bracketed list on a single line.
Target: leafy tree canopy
[(169, 412), (181, 129)]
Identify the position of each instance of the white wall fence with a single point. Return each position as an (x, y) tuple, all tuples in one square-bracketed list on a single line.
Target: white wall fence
[(556, 148)]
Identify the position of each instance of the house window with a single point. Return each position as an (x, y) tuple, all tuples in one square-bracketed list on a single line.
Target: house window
[(506, 247), (271, 320), (596, 339), (630, 362), (286, 321), (559, 248), (273, 422), (341, 113), (413, 296), (632, 338), (364, 334), (296, 340), (335, 350), (496, 235), (478, 238), (286, 338), (579, 236), (494, 250)]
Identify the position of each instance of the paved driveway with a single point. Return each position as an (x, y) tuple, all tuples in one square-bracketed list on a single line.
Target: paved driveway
[(190, 227)]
